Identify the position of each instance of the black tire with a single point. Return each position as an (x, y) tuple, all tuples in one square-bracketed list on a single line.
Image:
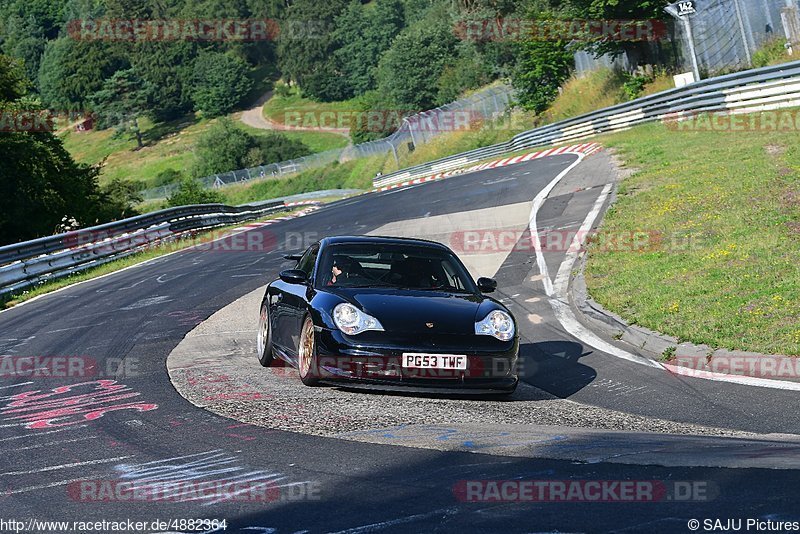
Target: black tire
[(307, 354), (264, 339)]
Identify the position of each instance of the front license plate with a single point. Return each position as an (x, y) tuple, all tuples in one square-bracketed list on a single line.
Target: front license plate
[(435, 361)]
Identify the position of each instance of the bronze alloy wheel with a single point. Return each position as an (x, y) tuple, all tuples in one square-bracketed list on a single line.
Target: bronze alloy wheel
[(307, 357), (264, 340)]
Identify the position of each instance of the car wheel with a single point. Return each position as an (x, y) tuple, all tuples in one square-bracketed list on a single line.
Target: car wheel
[(307, 355), (264, 340)]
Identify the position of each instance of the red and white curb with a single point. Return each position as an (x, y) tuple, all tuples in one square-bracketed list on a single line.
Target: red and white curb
[(584, 149)]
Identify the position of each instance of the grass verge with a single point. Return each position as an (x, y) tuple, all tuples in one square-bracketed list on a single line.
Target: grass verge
[(722, 262)]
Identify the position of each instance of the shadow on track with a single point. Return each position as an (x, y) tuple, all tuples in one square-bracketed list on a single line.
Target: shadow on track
[(554, 367)]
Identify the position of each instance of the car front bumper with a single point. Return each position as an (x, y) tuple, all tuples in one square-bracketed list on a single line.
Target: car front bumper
[(374, 359)]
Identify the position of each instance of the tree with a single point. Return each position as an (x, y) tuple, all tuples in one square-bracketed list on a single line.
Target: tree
[(410, 68), (542, 67), (167, 68), (118, 199), (71, 70), (361, 37), (219, 82), (306, 48), (24, 40), (122, 100), (274, 147), (468, 71), (40, 184), (190, 192), (637, 52), (13, 83)]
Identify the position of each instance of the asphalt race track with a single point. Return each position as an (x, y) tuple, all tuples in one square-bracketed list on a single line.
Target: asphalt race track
[(56, 453)]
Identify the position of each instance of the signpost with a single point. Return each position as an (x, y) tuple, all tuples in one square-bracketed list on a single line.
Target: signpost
[(685, 8), (683, 11)]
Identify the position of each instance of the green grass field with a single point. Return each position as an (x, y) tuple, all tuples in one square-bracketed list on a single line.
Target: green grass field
[(726, 205), (277, 107)]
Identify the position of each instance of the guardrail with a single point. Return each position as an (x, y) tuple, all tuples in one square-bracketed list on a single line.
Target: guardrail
[(28, 263), (754, 90)]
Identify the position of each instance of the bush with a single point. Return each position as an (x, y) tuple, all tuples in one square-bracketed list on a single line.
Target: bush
[(634, 85), (118, 199), (226, 147), (168, 176), (192, 191), (772, 52)]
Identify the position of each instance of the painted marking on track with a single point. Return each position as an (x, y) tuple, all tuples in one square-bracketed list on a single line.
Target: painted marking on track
[(200, 467), (37, 434), (63, 406), (64, 466), (532, 224), (16, 385), (49, 444), (150, 301), (44, 486)]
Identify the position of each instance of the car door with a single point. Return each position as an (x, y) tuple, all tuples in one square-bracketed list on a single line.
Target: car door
[(295, 300), (279, 312)]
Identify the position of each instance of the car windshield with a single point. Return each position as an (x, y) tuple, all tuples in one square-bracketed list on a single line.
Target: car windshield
[(400, 266)]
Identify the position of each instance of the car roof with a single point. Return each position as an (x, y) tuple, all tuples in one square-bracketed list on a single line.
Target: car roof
[(381, 240)]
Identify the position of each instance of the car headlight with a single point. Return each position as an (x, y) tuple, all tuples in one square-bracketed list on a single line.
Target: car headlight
[(498, 324), (351, 320)]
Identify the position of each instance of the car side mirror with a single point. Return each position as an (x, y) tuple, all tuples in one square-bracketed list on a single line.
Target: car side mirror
[(487, 285), (293, 257), (294, 276)]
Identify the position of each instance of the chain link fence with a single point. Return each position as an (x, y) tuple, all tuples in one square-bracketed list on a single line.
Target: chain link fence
[(414, 131), (728, 32)]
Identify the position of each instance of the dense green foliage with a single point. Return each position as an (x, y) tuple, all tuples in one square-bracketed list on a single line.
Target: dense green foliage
[(190, 191), (40, 184), (219, 81), (412, 53), (122, 100), (388, 56), (226, 147)]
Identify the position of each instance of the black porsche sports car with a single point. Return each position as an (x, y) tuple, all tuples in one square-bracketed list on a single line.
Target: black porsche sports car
[(391, 313)]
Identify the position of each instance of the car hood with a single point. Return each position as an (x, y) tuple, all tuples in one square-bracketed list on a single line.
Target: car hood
[(429, 312)]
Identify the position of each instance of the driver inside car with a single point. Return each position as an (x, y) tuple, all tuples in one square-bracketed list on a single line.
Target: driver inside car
[(343, 268)]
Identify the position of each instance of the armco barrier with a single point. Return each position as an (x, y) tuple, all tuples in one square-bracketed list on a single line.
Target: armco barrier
[(25, 264), (754, 90)]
